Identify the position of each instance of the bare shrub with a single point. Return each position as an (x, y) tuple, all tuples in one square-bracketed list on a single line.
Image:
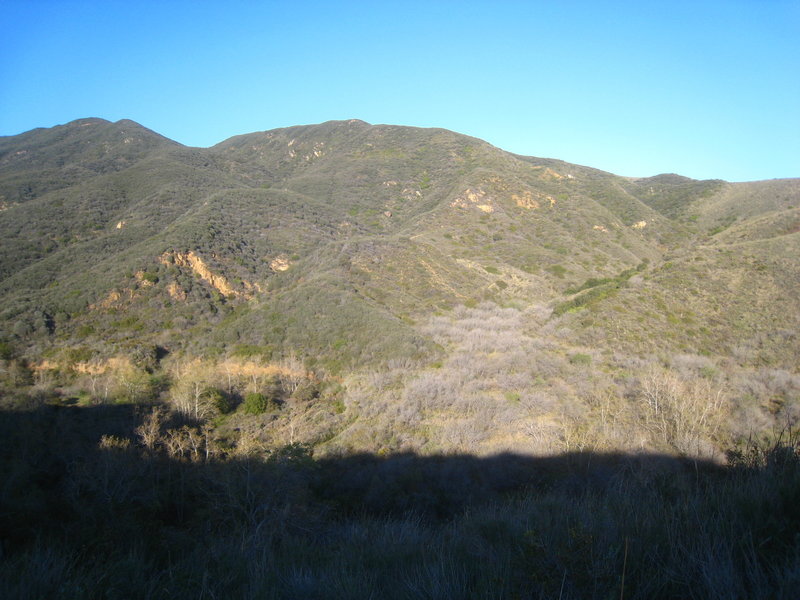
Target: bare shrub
[(514, 381), (149, 432), (248, 445), (544, 437), (464, 435), (402, 364), (380, 380), (538, 403), (684, 413), (128, 382), (689, 365), (293, 373), (190, 380), (188, 443), (427, 388), (540, 312)]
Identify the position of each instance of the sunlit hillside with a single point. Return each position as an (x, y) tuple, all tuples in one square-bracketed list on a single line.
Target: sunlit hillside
[(288, 336)]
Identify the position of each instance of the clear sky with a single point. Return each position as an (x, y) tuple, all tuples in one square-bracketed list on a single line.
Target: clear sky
[(704, 89)]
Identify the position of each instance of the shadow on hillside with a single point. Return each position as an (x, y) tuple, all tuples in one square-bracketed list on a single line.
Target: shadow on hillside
[(78, 479), (69, 464)]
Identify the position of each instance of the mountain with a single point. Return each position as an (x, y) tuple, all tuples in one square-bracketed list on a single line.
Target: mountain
[(354, 248), (363, 360), (413, 217)]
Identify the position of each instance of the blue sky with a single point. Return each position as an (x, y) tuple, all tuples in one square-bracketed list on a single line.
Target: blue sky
[(704, 89)]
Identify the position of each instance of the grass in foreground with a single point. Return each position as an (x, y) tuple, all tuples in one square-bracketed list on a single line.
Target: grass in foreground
[(94, 504)]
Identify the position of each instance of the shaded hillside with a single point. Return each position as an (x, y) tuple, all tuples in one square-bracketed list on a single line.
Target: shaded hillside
[(111, 501)]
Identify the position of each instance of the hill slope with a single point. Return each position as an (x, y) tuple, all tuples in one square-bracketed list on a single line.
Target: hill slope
[(355, 248), (396, 220), (396, 362)]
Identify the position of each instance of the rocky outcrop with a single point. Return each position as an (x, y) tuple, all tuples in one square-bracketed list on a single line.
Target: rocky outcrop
[(192, 261), (474, 197), (532, 200), (176, 292), (279, 263)]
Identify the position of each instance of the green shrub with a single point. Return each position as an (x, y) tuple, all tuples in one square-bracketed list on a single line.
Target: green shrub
[(530, 268), (144, 356), (219, 400), (252, 351), (6, 351), (708, 372), (580, 359), (85, 330), (131, 322), (589, 283), (587, 298), (257, 404)]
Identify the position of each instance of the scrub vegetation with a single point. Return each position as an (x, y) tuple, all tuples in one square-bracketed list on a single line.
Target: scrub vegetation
[(353, 361)]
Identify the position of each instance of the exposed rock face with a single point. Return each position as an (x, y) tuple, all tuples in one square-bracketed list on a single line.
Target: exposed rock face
[(279, 263), (548, 174), (411, 194), (142, 279), (192, 261), (525, 200), (176, 292), (251, 288), (532, 200), (474, 197), (249, 368), (115, 299), (110, 300), (483, 201)]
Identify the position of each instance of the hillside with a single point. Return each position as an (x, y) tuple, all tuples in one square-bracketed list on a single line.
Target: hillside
[(359, 360), (413, 217), (443, 278)]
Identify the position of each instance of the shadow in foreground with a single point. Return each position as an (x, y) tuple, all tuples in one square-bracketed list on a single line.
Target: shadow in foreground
[(103, 502)]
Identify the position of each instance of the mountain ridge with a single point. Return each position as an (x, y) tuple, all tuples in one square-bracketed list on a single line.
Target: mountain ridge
[(386, 189), (502, 283)]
